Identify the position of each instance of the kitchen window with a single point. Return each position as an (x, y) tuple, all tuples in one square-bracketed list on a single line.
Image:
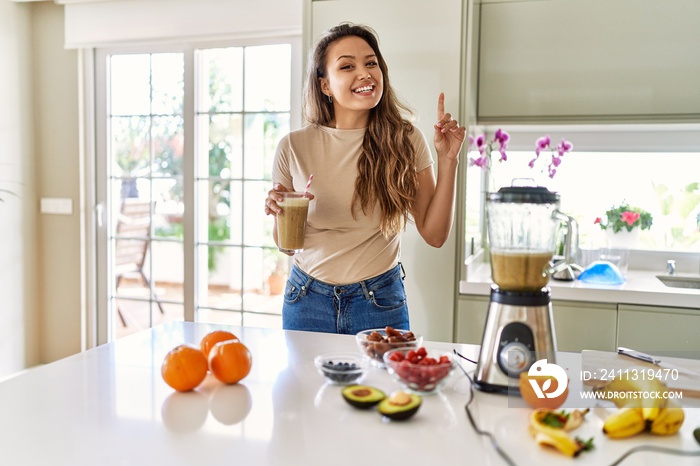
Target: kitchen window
[(650, 166), (185, 142)]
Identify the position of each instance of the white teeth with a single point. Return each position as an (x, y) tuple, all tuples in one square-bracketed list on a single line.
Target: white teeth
[(364, 89)]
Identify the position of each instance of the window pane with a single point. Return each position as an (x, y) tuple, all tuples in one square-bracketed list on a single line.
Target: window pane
[(224, 278), (224, 212), (168, 142), (130, 81), (225, 146), (257, 227), (168, 270), (590, 183), (169, 209), (262, 133), (268, 78), (168, 84), (222, 69), (131, 145), (254, 278)]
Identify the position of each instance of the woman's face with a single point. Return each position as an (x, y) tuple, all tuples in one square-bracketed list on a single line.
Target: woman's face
[(353, 77)]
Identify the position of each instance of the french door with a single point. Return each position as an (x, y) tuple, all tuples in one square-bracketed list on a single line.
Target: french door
[(185, 138)]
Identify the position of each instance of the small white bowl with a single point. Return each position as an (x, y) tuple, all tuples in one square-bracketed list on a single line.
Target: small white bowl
[(342, 368), (423, 379)]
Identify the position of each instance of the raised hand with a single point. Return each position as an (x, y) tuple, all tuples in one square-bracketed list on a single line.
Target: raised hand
[(449, 136)]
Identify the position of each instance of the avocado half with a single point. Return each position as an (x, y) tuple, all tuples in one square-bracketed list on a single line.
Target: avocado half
[(400, 405), (362, 396)]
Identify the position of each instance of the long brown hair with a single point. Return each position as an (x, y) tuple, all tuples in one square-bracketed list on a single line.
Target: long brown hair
[(386, 167)]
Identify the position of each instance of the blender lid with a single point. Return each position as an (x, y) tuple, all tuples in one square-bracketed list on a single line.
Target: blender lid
[(525, 195)]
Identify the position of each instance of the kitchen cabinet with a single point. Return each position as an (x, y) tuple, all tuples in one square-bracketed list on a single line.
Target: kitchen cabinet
[(471, 318), (656, 328), (578, 325), (589, 61), (582, 325)]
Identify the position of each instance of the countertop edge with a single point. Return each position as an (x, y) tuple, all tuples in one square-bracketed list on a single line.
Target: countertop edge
[(642, 288)]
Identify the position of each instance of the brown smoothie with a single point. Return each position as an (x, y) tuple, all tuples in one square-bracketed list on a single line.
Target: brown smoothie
[(291, 223), (519, 271)]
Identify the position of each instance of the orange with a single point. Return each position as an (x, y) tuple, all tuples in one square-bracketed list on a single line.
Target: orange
[(184, 367), (230, 361), (529, 395), (212, 338)]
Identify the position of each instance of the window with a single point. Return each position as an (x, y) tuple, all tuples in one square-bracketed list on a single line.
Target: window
[(608, 167), (165, 142)]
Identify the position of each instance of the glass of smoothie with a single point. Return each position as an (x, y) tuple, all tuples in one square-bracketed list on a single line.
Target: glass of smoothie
[(291, 222)]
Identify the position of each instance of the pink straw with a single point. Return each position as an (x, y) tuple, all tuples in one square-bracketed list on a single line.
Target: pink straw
[(308, 184)]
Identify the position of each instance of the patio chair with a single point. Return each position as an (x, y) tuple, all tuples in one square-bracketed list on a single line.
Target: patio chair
[(131, 246)]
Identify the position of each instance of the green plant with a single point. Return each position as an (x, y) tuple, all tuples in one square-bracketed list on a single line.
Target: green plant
[(624, 216)]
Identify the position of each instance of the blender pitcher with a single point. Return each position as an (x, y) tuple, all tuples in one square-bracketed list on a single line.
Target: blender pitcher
[(522, 226)]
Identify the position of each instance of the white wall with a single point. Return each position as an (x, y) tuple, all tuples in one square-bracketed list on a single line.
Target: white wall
[(18, 278), (58, 172)]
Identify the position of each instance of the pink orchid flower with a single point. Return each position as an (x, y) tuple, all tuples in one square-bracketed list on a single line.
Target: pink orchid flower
[(541, 144), (564, 147), (481, 162), (630, 217), (502, 138), (480, 143)]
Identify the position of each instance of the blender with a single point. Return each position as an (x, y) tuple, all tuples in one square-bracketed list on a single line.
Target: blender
[(523, 222)]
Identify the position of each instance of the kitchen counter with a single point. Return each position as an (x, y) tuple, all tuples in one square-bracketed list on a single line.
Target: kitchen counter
[(110, 406), (642, 287)]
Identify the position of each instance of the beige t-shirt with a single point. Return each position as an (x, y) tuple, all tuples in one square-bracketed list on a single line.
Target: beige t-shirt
[(338, 249)]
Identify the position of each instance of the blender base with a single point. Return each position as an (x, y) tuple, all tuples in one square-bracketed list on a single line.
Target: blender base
[(499, 389)]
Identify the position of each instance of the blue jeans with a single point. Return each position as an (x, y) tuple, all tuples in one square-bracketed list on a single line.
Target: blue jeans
[(316, 306)]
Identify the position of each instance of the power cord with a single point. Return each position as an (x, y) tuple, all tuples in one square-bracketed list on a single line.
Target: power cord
[(485, 433), (507, 459)]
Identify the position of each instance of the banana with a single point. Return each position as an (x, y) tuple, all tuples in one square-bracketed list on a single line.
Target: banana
[(624, 423), (575, 419), (560, 441), (551, 436), (669, 419), (652, 408)]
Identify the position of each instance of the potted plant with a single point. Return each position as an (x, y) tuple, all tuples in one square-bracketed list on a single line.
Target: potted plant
[(622, 224), (277, 271)]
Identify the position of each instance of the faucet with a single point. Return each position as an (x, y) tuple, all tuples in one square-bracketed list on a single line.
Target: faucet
[(671, 267)]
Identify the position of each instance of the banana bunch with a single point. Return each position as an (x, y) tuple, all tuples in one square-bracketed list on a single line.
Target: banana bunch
[(551, 428), (636, 414), (666, 419)]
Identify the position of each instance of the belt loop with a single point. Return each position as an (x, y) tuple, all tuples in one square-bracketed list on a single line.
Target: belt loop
[(403, 272), (307, 284), (364, 290)]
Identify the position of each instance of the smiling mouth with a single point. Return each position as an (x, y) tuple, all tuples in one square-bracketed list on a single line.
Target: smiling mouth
[(363, 89)]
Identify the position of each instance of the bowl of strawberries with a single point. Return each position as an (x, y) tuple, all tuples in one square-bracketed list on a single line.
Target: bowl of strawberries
[(421, 370)]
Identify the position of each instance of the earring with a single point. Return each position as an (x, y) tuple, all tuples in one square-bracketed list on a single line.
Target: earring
[(330, 99)]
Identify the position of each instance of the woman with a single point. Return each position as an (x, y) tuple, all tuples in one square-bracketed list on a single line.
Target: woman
[(372, 173)]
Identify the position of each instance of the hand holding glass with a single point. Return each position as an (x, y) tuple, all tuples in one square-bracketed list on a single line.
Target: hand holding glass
[(291, 222)]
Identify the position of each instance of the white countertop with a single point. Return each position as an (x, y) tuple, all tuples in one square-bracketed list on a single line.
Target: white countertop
[(110, 406), (641, 287)]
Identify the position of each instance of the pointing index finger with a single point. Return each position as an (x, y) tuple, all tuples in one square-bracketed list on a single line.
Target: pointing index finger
[(441, 106)]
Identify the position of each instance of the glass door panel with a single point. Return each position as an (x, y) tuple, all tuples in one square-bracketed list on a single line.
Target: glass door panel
[(240, 109), (146, 146)]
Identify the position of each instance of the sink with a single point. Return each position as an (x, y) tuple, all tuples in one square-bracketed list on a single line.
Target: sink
[(680, 281)]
